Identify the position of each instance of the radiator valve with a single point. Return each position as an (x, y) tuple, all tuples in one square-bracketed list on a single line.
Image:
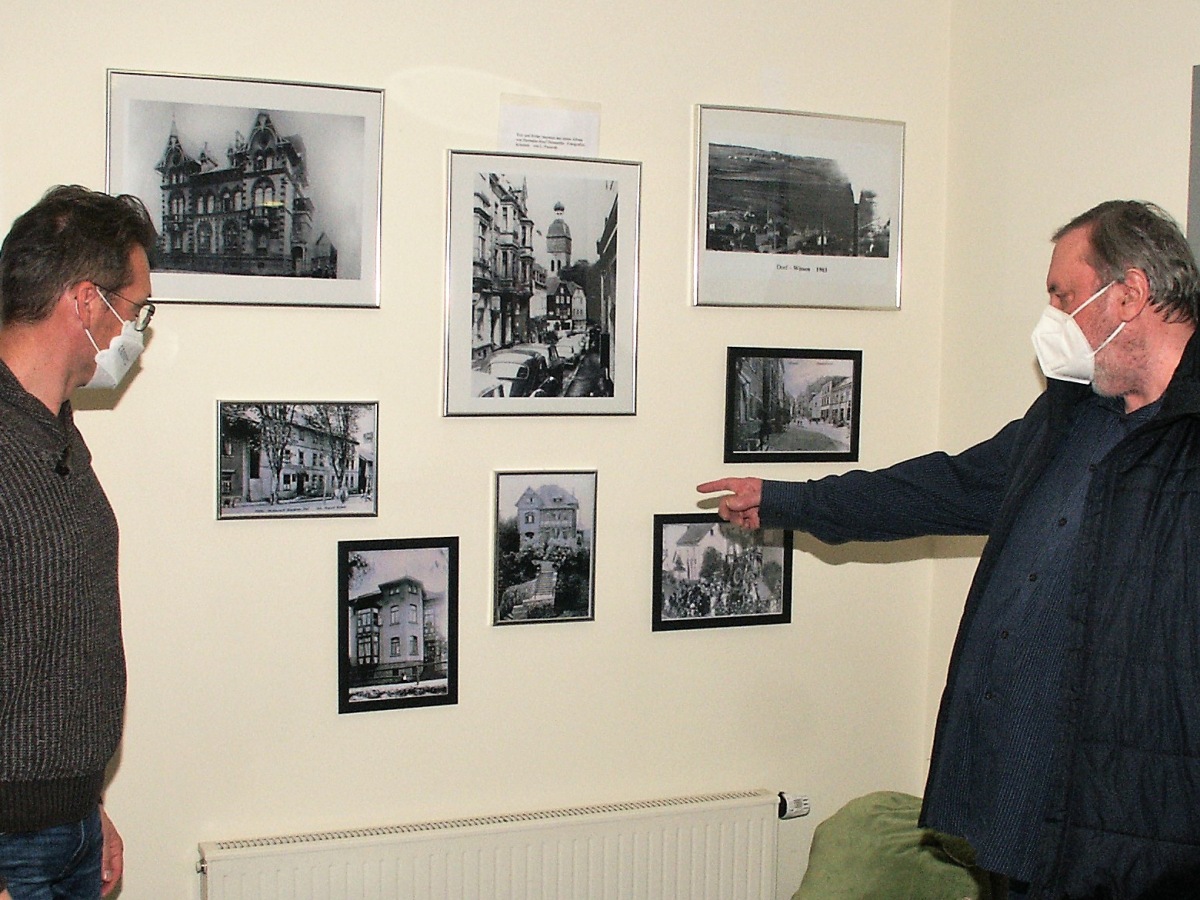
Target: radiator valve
[(793, 806)]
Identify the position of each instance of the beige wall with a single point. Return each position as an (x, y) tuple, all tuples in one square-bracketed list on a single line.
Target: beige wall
[(1014, 121), (1054, 107)]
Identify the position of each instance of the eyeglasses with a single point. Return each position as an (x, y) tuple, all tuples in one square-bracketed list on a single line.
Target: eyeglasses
[(145, 309)]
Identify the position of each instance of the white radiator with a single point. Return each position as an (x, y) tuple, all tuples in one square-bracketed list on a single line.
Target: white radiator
[(704, 847)]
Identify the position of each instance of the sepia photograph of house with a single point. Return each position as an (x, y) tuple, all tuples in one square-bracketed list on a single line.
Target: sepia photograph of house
[(711, 573), (398, 623), (296, 459), (545, 527)]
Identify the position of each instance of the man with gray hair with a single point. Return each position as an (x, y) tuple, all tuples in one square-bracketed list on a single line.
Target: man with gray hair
[(1067, 747), (74, 301)]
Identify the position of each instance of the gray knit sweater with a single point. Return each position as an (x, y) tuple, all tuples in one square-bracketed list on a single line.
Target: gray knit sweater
[(62, 664)]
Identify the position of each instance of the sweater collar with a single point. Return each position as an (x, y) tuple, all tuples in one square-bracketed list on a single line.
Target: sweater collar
[(13, 393)]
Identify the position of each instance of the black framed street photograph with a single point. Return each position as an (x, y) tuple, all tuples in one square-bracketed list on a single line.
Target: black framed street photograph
[(263, 192), (287, 459), (711, 574), (796, 209), (541, 285), (545, 538), (397, 623), (786, 405)]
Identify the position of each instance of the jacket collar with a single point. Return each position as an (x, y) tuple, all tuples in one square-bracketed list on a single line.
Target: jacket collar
[(1182, 397)]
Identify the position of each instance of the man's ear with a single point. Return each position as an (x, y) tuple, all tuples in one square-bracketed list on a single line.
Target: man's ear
[(78, 300), (1136, 295)]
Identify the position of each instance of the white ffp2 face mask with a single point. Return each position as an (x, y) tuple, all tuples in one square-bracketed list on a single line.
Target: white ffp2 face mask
[(114, 361), (1062, 350)]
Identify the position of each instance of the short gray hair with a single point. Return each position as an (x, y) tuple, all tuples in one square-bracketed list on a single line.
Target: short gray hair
[(1126, 234)]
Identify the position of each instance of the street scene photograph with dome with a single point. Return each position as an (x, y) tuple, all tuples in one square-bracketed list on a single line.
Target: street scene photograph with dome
[(543, 291)]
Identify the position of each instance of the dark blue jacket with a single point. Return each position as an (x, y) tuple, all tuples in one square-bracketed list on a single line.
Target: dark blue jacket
[(1124, 808)]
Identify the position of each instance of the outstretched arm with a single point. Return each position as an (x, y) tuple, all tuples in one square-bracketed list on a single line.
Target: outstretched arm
[(740, 505)]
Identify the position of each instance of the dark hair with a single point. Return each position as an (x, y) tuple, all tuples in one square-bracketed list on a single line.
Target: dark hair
[(72, 234), (1128, 234)]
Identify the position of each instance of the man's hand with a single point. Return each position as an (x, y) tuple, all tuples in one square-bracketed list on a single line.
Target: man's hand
[(740, 507), (112, 861)]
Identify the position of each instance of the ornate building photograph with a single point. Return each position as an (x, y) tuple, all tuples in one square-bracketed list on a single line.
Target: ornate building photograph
[(247, 212), (258, 195), (241, 204)]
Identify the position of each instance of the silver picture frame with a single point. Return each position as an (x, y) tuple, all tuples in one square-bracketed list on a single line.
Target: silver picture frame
[(797, 209), (263, 192), (541, 285), (544, 528), (288, 459)]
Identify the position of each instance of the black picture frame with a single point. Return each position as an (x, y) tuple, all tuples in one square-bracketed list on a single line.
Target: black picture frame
[(712, 574), (397, 623), (792, 405)]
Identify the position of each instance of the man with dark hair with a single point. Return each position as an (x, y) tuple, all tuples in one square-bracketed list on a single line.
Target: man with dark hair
[(1067, 749), (74, 301)]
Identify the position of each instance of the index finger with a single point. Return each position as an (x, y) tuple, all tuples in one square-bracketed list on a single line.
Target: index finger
[(721, 484)]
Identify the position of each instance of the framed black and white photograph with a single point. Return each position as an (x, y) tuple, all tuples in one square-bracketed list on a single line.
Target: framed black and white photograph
[(796, 209), (263, 192), (545, 528), (711, 574), (1193, 208), (786, 405), (541, 285), (397, 623), (280, 460)]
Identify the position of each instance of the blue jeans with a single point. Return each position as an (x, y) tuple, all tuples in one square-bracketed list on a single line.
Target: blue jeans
[(58, 863)]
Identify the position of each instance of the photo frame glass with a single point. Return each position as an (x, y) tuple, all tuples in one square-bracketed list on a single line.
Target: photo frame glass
[(786, 405), (280, 460), (541, 285), (712, 574), (545, 538), (797, 209), (1193, 207), (397, 623), (262, 192)]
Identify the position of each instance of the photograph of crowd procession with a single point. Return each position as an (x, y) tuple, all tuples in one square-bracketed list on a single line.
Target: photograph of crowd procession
[(714, 574)]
